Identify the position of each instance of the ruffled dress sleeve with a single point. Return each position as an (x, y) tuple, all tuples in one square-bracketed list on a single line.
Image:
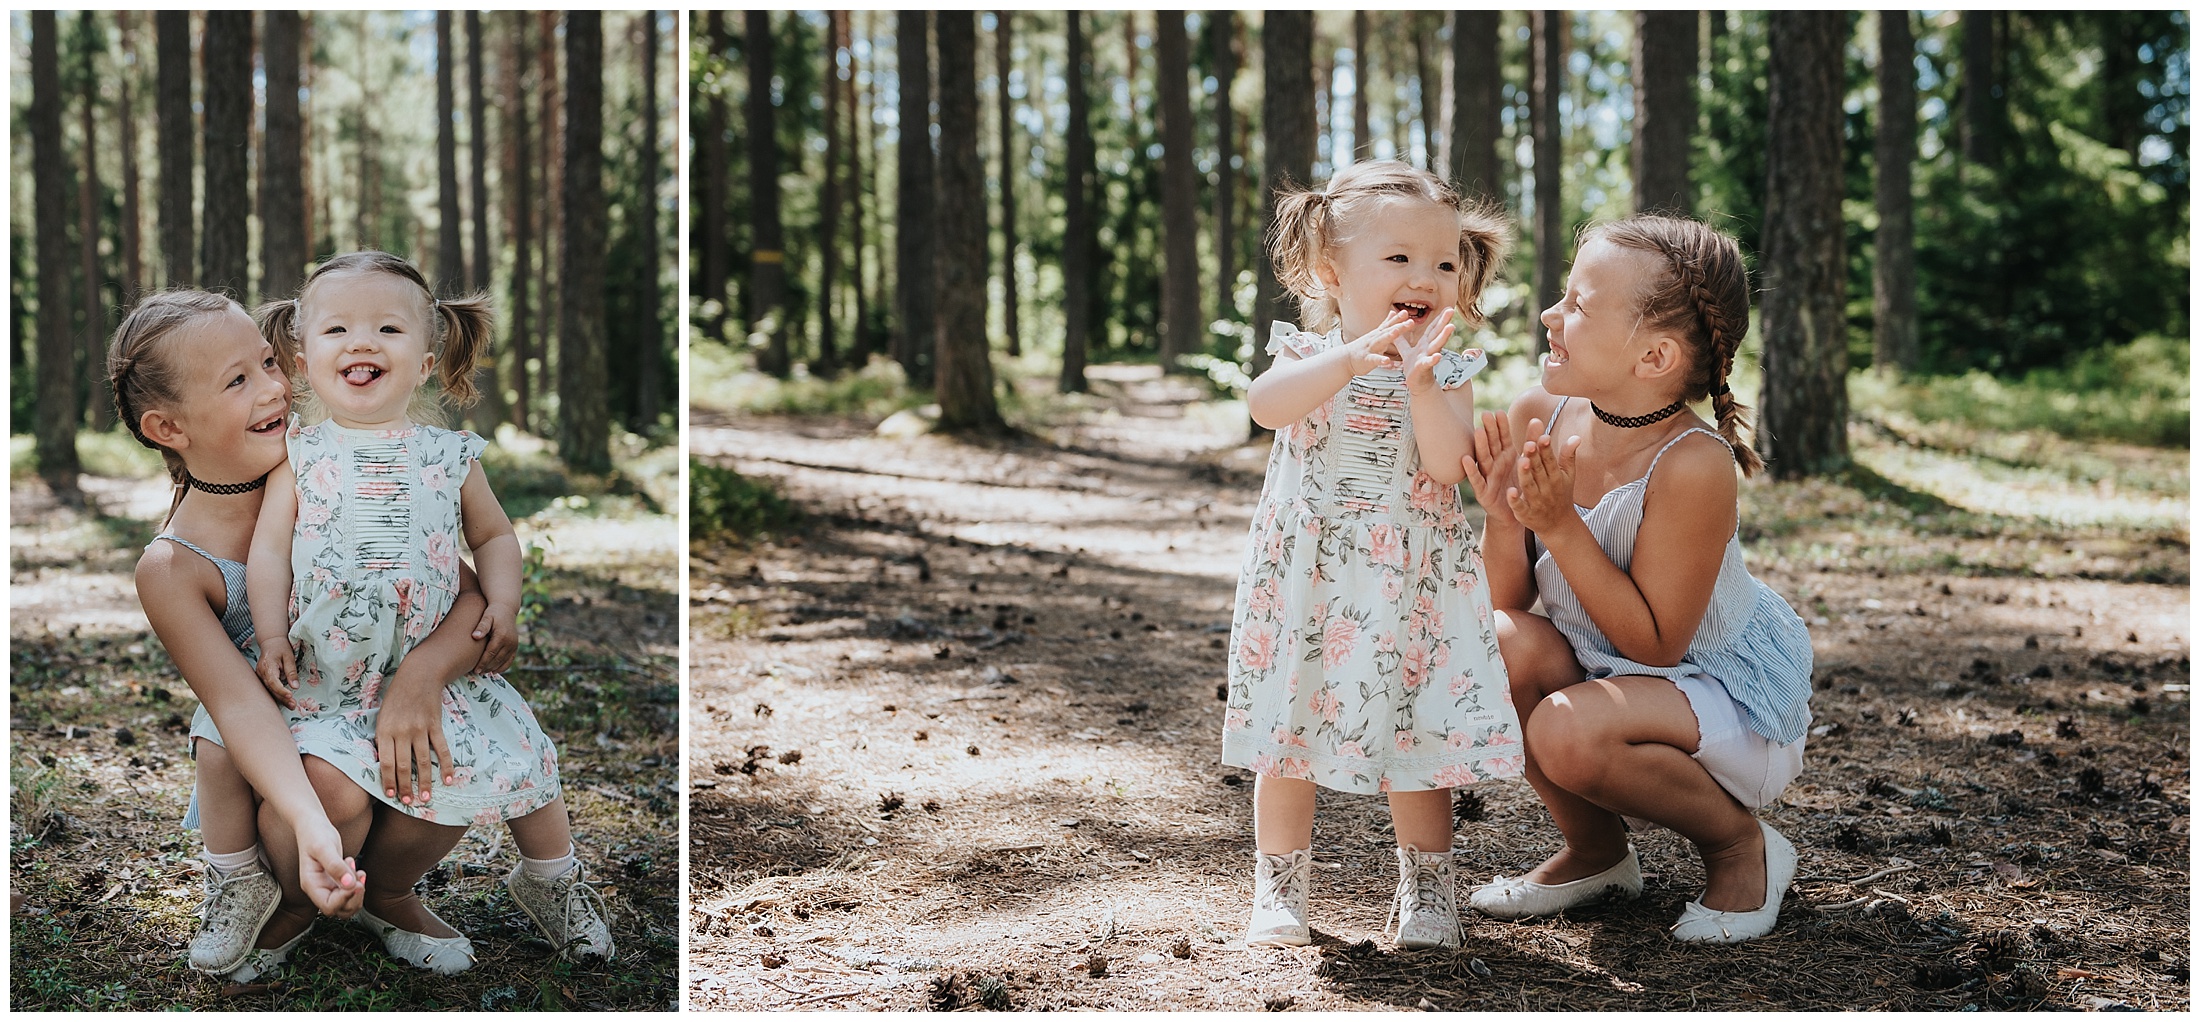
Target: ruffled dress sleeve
[(1457, 367), (1283, 337)]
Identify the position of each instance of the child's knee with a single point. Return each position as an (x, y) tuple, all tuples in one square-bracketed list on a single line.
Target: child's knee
[(1564, 746), (341, 797)]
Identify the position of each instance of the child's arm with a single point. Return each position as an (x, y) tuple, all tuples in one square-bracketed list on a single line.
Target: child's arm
[(497, 558), (253, 730), (1293, 387), (408, 732), (1491, 470), (1443, 420), (267, 584), (1650, 612)]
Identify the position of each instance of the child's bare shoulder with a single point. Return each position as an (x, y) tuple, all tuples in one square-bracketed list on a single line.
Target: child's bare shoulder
[(1534, 403), (166, 569), (1699, 463)]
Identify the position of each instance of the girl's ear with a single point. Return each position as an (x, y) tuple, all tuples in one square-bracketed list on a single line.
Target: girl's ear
[(300, 359), (161, 428), (1325, 272), (1661, 357), (427, 365)]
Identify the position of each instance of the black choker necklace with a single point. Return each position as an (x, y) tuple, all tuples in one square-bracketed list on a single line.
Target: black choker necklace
[(1635, 421), (223, 489)]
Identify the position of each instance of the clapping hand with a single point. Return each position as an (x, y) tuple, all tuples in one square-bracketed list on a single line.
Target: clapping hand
[(1421, 351), (1493, 465), (1544, 495)]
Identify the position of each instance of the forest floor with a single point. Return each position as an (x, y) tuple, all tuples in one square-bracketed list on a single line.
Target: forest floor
[(956, 741), (106, 884)]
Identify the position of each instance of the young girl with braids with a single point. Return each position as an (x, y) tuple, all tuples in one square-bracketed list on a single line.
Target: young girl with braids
[(1362, 655), (356, 557), (1662, 683), (193, 379)]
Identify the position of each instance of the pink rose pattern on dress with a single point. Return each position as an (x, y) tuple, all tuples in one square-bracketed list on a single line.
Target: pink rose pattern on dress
[(1363, 654), (355, 615)]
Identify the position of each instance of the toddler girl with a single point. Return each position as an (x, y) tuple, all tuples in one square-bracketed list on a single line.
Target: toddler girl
[(1362, 656), (1661, 682), (355, 558)]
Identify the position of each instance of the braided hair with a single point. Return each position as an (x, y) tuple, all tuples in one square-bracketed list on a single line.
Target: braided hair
[(140, 367), (1703, 297)]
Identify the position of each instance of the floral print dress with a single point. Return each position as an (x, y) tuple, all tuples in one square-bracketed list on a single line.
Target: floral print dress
[(1362, 651), (374, 564)]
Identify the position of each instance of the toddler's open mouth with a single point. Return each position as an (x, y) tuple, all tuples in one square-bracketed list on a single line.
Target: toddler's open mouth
[(361, 375), (1413, 310)]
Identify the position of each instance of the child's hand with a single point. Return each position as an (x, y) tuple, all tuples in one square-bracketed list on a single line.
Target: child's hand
[(1544, 498), (331, 881), (1492, 466), (500, 625), (408, 742), (1378, 348), (1422, 350), (278, 671)]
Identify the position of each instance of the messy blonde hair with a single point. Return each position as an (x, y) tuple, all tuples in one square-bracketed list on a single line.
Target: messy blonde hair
[(462, 325), (1311, 223), (142, 372), (1702, 296)]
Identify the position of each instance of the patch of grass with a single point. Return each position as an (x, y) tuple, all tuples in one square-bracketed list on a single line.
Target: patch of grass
[(724, 504), (726, 380), (112, 453), (2138, 393)]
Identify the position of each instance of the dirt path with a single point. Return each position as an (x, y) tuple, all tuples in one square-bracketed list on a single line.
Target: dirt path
[(108, 882), (956, 745)]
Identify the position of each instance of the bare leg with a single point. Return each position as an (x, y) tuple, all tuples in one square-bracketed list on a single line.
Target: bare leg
[(398, 852), (1422, 819), (546, 833), (1283, 814), (228, 810), (349, 809), (1539, 661), (1623, 743)]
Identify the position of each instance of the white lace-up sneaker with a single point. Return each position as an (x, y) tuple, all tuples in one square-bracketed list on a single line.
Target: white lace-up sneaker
[(569, 912), (1279, 900), (1426, 905), (236, 907)]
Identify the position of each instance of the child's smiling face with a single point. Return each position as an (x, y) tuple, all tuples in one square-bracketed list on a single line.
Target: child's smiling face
[(1593, 330), (233, 398), (1404, 256), (366, 344)]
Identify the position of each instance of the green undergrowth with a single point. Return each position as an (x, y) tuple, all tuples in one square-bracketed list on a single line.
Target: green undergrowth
[(725, 505)]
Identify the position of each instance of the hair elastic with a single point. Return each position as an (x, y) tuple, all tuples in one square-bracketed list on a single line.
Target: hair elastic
[(1721, 389)]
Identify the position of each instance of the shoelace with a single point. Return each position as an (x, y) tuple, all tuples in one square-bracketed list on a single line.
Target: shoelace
[(214, 893), (578, 899), (1286, 884), (1422, 887)]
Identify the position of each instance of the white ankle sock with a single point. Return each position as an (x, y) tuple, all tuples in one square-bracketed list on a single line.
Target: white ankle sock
[(226, 863), (550, 869)]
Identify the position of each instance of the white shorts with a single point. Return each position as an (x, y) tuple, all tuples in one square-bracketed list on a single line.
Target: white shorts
[(1748, 765)]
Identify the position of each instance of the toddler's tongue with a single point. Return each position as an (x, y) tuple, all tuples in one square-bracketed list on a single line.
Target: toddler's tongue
[(361, 375)]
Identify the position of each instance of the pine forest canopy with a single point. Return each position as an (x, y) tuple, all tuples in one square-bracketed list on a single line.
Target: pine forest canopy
[(204, 175), (2049, 187)]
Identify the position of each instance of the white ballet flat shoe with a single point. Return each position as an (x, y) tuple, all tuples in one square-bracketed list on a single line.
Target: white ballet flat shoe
[(444, 956), (260, 963), (1700, 925), (1520, 898)]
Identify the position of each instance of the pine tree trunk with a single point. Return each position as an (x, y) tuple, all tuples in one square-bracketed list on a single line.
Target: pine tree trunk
[(649, 376), (551, 231), (178, 144), (859, 199), (1222, 43), (1179, 196), (1078, 226), (282, 162), (1894, 247), (1981, 91), (709, 218), (916, 241), (450, 255), (133, 255), (767, 258), (1001, 46), (477, 136), (1426, 89), (522, 160), (1805, 331), (1362, 66), (1665, 110), (1477, 94), (228, 58), (965, 365), (1288, 132), (93, 347), (828, 228), (584, 436), (1547, 47), (55, 423)]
